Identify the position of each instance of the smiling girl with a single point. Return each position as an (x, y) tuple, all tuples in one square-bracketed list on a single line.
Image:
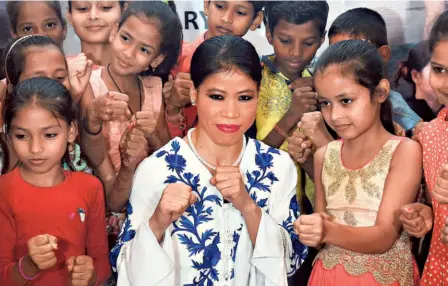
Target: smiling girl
[(93, 21), (123, 116)]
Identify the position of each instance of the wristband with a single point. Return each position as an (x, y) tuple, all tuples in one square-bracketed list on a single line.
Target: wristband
[(86, 128), (22, 273), (280, 131)]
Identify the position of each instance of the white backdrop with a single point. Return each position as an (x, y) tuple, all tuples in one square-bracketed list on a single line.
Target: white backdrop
[(405, 22)]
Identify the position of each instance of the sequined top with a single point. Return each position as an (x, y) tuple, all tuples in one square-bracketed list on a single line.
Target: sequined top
[(434, 140), (353, 197)]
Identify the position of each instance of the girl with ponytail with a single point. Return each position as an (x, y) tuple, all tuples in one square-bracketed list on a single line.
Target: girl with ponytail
[(363, 179)]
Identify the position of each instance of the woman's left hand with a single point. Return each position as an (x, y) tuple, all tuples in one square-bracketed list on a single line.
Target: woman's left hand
[(311, 229), (229, 181)]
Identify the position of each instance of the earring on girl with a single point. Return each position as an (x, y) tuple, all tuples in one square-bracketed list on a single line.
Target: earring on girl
[(193, 102)]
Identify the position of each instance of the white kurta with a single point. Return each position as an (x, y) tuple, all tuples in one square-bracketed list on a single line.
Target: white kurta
[(210, 244)]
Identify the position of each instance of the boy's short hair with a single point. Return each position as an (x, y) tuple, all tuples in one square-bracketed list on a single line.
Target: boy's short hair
[(258, 6), (121, 2), (363, 23), (298, 13)]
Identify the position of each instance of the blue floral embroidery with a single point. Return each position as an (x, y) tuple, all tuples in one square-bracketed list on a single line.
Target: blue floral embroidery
[(257, 179), (126, 234), (236, 238), (263, 179), (299, 251), (186, 227)]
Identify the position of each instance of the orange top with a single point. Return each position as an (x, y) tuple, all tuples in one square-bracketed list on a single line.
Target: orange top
[(434, 140)]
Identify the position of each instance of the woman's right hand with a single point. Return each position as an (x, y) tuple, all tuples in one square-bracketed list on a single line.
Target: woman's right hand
[(176, 198), (41, 251), (417, 219), (108, 107)]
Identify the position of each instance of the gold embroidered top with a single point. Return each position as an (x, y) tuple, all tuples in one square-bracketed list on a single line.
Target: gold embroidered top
[(353, 197)]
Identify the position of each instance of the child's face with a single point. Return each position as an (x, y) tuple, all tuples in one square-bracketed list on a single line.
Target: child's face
[(226, 103), (295, 46), (136, 46), (421, 80), (346, 106), (45, 62), (94, 20), (40, 139), (438, 77), (39, 18), (230, 18)]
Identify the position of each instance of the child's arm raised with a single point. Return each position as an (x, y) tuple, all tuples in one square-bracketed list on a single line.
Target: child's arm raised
[(41, 255), (92, 140), (133, 149), (300, 150), (303, 100), (400, 188)]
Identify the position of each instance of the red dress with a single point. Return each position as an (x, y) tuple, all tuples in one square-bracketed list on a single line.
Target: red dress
[(434, 140), (73, 211)]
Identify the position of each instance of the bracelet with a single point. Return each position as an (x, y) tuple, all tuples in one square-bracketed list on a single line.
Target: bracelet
[(86, 128), (175, 118), (22, 273), (280, 131)]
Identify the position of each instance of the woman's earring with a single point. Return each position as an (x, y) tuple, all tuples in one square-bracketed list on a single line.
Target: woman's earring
[(193, 102)]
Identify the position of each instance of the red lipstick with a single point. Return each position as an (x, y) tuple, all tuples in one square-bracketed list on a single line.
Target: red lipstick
[(228, 128)]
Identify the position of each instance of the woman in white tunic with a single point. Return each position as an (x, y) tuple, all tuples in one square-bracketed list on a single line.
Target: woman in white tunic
[(214, 208)]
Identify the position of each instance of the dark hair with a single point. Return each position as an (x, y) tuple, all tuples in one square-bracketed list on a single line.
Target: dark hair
[(16, 52), (360, 60), (418, 58), (225, 53), (169, 27), (13, 8), (298, 13), (44, 92), (258, 6), (361, 23), (439, 31), (121, 2)]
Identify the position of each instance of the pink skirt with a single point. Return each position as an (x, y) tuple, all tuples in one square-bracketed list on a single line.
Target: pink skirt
[(338, 276)]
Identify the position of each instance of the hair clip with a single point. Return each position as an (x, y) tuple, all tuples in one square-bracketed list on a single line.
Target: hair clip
[(12, 47)]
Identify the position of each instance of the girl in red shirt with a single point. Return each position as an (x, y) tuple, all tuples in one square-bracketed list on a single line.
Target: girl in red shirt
[(52, 228)]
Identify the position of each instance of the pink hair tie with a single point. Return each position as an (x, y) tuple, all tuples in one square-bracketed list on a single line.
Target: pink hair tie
[(22, 273)]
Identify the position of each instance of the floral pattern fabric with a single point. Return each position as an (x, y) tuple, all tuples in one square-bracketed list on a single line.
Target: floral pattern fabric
[(210, 244)]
